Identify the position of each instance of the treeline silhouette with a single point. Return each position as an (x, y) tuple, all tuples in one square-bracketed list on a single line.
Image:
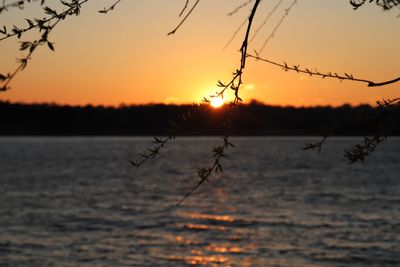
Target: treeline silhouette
[(160, 119)]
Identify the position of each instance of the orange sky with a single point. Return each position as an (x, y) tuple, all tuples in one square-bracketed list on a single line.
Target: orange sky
[(127, 57)]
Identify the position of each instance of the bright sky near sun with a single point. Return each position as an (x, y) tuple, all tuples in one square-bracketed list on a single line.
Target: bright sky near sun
[(127, 57)]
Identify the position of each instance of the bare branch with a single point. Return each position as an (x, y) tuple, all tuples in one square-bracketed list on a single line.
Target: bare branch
[(46, 27), (19, 4), (235, 33), (237, 9), (184, 19), (266, 20), (106, 10), (343, 77), (184, 8), (73, 9), (205, 173), (272, 35)]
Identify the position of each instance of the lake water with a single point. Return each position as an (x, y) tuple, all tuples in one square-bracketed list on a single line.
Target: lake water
[(78, 202)]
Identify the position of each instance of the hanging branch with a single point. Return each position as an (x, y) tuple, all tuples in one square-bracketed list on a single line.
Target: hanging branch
[(46, 27), (236, 81), (19, 4), (237, 9), (316, 146), (266, 20), (234, 84), (184, 8), (385, 4), (152, 152), (106, 10), (73, 7), (176, 128), (184, 19), (272, 35), (235, 33), (216, 167)]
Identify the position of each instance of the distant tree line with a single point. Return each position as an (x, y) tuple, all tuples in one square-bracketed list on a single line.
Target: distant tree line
[(158, 119)]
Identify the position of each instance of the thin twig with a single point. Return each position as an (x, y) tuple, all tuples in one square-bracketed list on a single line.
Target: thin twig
[(205, 173), (298, 69), (238, 8), (266, 20), (73, 9), (106, 10), (184, 8), (19, 3), (235, 33), (184, 19), (272, 35), (15, 31)]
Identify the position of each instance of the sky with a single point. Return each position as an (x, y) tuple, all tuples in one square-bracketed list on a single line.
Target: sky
[(126, 57)]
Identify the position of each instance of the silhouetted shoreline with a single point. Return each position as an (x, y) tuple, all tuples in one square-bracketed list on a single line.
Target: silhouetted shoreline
[(253, 119)]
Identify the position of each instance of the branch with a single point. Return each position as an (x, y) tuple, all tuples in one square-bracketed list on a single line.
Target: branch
[(266, 20), (175, 129), (73, 7), (106, 10), (153, 152), (237, 9), (20, 4), (317, 145), (345, 76), (385, 4), (272, 35), (216, 167), (184, 8), (184, 19)]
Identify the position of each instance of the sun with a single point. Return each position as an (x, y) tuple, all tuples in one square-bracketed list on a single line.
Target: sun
[(216, 102)]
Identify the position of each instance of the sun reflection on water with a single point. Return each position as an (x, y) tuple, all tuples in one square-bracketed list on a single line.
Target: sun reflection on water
[(212, 217)]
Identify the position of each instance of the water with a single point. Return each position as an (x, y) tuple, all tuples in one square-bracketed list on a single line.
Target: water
[(78, 202)]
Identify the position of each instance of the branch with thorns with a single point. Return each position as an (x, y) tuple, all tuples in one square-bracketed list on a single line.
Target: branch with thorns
[(315, 72)]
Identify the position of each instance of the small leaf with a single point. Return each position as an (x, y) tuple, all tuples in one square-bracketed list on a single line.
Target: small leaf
[(50, 45)]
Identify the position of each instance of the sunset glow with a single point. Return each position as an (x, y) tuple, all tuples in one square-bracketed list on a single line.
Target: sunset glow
[(136, 64), (216, 102)]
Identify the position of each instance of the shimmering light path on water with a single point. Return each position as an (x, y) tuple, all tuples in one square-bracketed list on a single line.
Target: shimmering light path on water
[(78, 202)]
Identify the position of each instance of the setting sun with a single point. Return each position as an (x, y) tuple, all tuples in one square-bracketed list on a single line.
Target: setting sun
[(216, 102)]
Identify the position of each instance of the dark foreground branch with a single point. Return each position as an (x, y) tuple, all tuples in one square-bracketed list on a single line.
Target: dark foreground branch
[(310, 72)]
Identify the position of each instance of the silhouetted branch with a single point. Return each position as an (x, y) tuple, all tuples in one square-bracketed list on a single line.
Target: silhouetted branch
[(272, 35), (184, 19), (19, 4), (106, 10), (340, 77), (359, 152), (237, 9), (73, 9), (236, 81), (388, 103), (235, 33), (385, 4), (266, 20), (216, 167), (152, 152), (176, 128), (317, 145), (45, 26), (184, 8)]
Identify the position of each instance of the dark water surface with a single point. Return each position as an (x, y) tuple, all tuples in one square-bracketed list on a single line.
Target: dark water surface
[(78, 202)]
